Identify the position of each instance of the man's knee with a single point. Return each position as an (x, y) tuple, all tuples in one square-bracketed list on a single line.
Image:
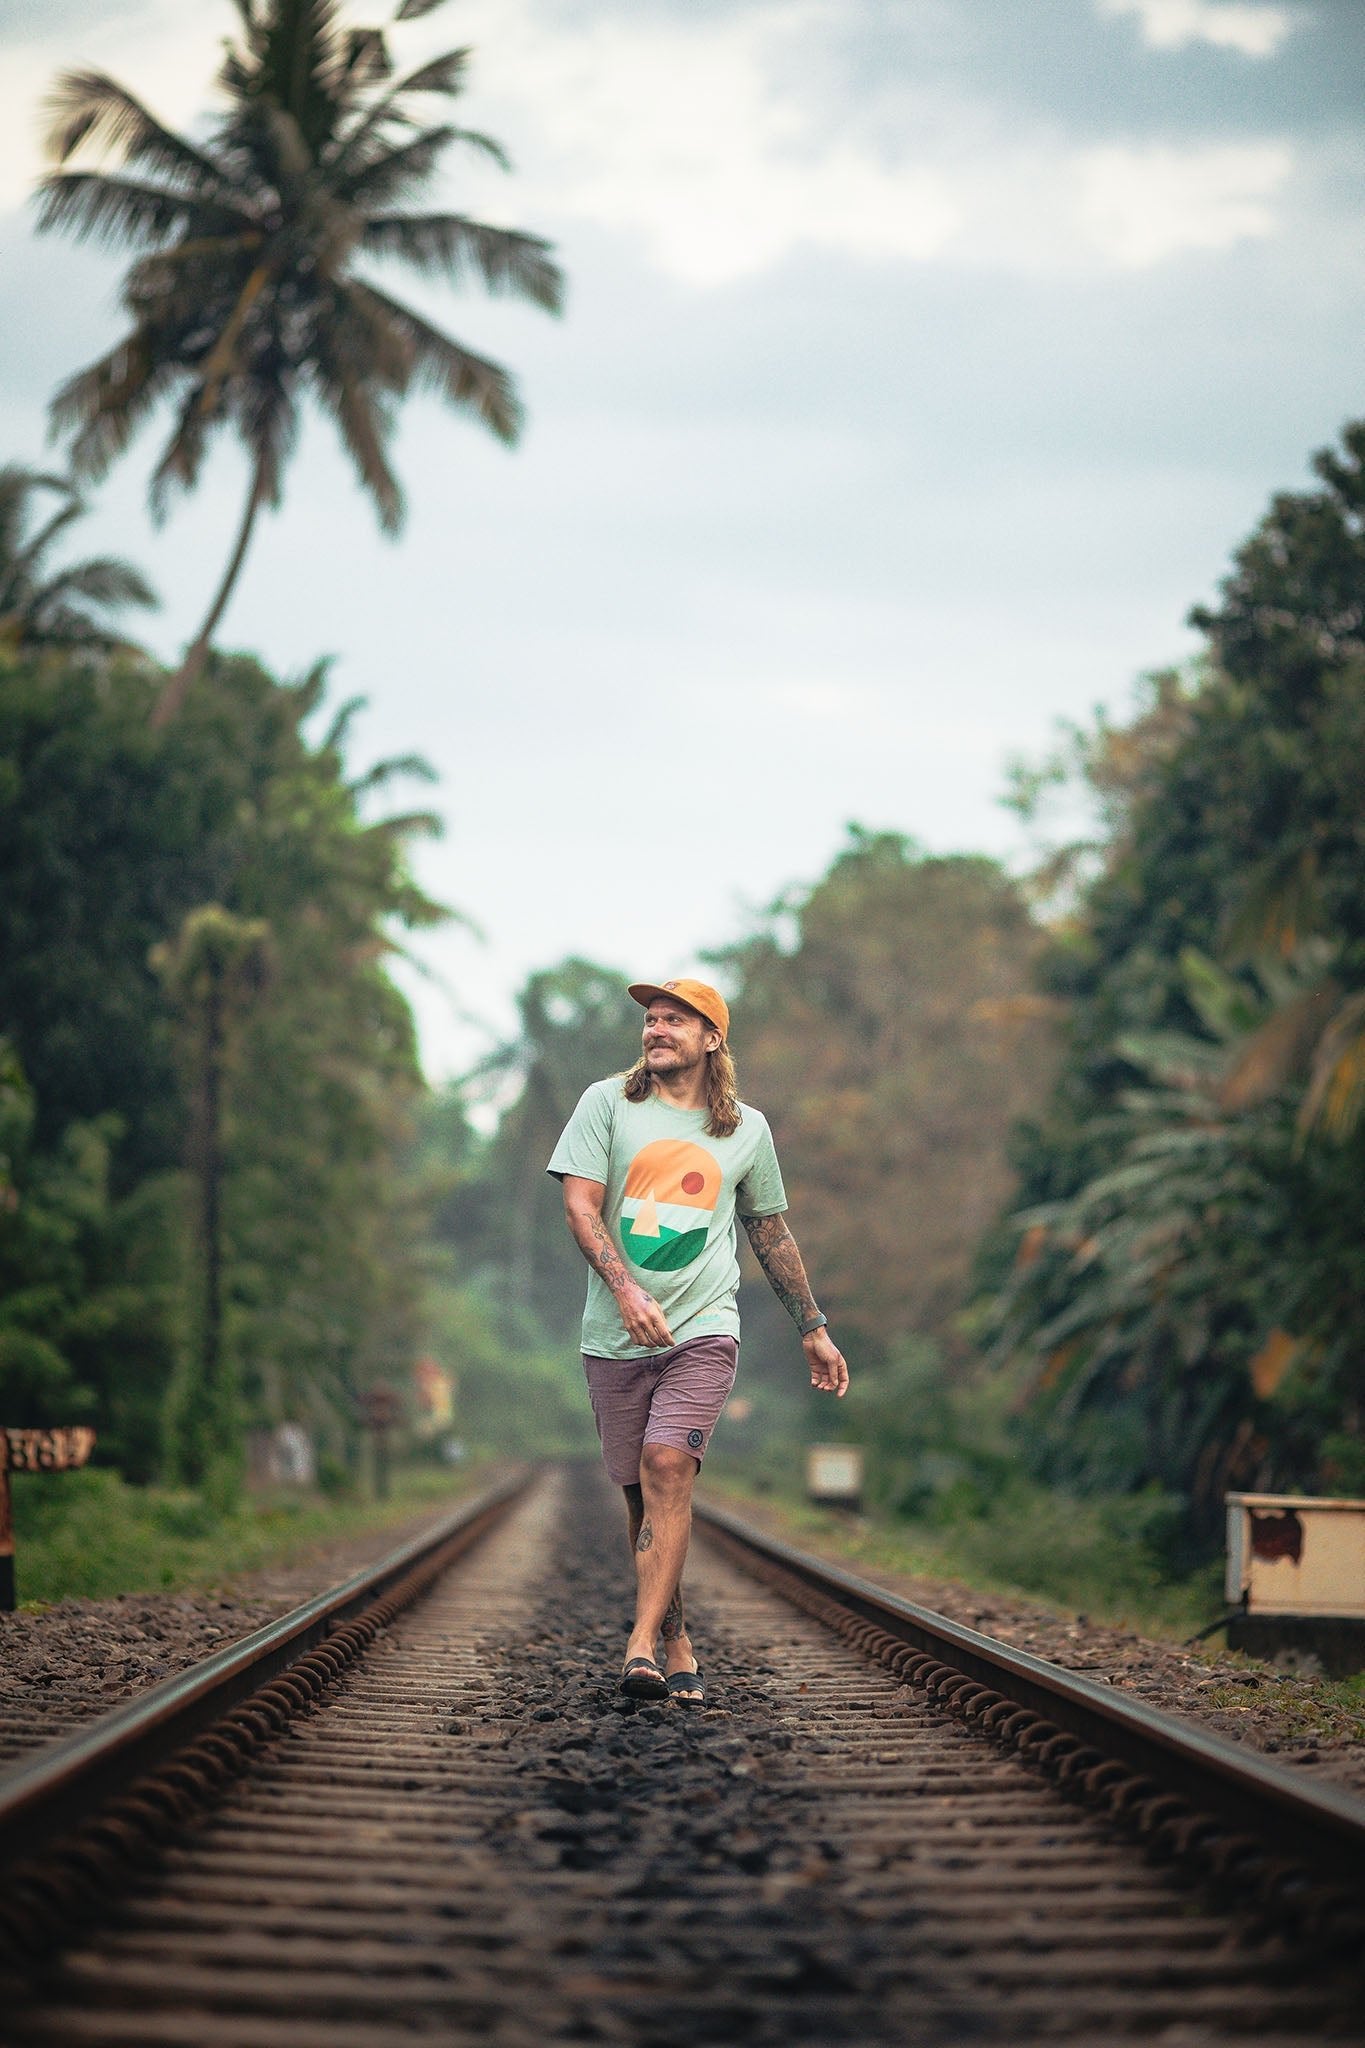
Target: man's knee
[(666, 1469)]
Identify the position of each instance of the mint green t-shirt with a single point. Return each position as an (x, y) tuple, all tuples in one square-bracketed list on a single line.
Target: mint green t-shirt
[(672, 1194)]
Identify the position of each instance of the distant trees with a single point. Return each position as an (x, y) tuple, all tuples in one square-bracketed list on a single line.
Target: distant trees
[(883, 1019), (1185, 1300), (502, 1215), (250, 286), (894, 1037), (45, 606)]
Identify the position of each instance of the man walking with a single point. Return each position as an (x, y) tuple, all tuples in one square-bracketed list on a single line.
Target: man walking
[(656, 1164)]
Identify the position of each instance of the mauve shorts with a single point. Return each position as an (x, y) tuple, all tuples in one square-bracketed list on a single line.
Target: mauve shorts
[(672, 1397)]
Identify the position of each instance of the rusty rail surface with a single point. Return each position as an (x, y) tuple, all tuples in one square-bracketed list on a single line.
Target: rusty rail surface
[(123, 1777), (1195, 1794)]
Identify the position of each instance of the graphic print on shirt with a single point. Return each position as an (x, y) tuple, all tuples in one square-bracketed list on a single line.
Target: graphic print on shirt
[(672, 1188)]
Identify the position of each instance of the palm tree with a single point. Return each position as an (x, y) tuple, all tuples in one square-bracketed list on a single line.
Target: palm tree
[(56, 608), (215, 967), (248, 290)]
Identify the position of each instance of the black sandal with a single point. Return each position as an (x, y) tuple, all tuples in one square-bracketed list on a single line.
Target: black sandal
[(687, 1687), (643, 1680)]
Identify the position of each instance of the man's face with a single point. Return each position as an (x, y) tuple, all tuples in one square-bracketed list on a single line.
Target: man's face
[(676, 1039)]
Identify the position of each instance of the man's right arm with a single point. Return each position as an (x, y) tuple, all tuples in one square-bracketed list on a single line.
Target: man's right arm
[(641, 1314)]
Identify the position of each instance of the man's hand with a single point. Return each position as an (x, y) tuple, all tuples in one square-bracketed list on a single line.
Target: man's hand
[(828, 1372), (644, 1320)]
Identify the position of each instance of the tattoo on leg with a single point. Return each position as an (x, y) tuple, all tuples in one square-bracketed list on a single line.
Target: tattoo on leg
[(646, 1536), (673, 1616)]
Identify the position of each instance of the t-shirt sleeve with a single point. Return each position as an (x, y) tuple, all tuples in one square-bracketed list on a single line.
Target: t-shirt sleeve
[(585, 1142), (761, 1192)]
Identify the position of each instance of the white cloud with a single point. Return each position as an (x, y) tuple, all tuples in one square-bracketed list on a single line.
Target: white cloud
[(722, 145), (1140, 205), (1242, 25), (694, 137)]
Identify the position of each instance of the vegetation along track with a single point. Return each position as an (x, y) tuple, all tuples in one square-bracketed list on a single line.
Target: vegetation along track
[(444, 1823)]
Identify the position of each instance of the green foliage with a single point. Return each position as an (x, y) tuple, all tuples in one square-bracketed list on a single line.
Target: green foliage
[(43, 607), (502, 1215), (214, 968), (891, 1044), (88, 1535), (87, 1285), (886, 1021), (1185, 1299), (112, 836), (517, 1394), (936, 1443)]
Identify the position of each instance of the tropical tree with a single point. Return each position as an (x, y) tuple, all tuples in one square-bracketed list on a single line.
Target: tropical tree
[(501, 1213), (213, 969), (88, 1280), (251, 286), (1189, 1316), (886, 1021), (1184, 1294), (42, 606), (111, 836)]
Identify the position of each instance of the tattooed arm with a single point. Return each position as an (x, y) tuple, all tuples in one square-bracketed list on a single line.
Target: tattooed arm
[(643, 1318), (784, 1270)]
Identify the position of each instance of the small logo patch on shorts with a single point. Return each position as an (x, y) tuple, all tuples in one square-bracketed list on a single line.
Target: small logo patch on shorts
[(695, 1439)]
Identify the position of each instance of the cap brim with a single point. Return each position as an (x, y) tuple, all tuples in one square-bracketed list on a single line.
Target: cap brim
[(644, 993)]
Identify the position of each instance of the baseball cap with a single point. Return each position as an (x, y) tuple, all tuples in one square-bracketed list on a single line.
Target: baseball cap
[(698, 995)]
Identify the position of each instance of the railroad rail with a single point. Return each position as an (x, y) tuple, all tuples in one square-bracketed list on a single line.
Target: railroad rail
[(1195, 1795), (446, 1822), (118, 1785)]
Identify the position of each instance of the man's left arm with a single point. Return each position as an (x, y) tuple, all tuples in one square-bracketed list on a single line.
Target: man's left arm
[(776, 1251)]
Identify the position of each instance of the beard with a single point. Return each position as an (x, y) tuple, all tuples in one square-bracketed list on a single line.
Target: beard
[(670, 1059)]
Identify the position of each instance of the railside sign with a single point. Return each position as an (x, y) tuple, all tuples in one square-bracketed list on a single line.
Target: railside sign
[(32, 1450)]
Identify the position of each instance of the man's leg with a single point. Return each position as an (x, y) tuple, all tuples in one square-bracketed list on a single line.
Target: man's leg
[(661, 1539), (677, 1645)]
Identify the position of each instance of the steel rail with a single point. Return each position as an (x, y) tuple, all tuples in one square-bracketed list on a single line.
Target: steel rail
[(1322, 1827), (45, 1794)]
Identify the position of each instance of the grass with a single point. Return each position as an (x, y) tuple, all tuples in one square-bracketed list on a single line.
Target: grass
[(1308, 1709), (1071, 1556), (90, 1535)]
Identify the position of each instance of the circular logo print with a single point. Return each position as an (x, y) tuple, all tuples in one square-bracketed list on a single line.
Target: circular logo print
[(672, 1188), (695, 1439)]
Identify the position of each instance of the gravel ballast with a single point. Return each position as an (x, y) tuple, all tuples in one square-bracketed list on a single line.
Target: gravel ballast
[(67, 1663)]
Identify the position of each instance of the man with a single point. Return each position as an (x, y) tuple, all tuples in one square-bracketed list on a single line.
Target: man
[(655, 1165)]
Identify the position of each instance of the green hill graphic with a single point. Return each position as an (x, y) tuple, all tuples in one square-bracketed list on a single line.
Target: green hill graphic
[(664, 1253)]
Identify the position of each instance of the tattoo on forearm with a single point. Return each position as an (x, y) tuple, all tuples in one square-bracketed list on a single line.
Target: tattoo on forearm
[(604, 1257), (646, 1536), (776, 1252), (672, 1626)]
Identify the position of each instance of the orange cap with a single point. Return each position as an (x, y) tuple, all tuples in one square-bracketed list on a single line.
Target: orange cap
[(698, 995)]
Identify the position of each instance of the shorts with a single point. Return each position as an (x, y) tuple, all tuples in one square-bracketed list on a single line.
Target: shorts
[(672, 1397)]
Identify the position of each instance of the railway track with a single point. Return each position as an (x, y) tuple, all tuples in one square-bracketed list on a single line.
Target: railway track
[(443, 1823)]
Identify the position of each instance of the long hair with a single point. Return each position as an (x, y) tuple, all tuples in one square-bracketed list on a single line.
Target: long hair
[(722, 1090)]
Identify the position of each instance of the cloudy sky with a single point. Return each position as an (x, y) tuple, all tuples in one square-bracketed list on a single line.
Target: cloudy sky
[(923, 362)]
